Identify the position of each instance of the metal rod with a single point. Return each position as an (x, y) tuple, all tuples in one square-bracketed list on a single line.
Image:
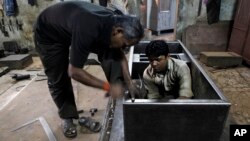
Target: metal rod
[(25, 124), (44, 124), (47, 129)]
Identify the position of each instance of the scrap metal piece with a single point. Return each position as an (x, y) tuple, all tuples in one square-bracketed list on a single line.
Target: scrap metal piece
[(25, 124), (47, 129), (41, 79), (44, 124)]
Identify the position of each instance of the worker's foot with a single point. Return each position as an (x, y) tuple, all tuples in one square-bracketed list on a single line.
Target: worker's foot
[(69, 128)]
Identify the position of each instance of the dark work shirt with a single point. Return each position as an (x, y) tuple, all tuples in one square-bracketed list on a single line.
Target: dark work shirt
[(83, 26)]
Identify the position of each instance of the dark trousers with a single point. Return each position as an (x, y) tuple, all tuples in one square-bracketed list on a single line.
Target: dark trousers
[(55, 59), (103, 2)]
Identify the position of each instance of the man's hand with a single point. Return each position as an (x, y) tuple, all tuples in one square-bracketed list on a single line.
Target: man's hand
[(134, 92), (116, 90)]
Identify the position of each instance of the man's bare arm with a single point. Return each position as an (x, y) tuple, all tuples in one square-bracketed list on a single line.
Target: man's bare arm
[(84, 77)]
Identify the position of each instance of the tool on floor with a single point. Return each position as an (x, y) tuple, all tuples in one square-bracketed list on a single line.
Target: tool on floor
[(19, 25), (93, 111), (10, 26), (45, 126), (41, 79), (18, 77), (4, 31), (80, 111)]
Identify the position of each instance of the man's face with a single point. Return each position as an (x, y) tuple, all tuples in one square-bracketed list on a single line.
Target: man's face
[(119, 41), (159, 63)]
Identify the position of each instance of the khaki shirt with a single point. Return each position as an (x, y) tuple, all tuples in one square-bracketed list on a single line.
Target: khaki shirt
[(177, 73)]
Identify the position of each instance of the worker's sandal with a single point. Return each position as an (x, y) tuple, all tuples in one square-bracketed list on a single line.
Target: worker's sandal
[(69, 128), (90, 124)]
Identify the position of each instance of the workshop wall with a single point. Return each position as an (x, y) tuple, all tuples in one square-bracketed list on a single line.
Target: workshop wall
[(195, 31), (189, 13), (25, 16)]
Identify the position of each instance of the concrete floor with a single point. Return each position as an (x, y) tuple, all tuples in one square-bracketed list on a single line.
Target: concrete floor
[(26, 100), (32, 100), (235, 85)]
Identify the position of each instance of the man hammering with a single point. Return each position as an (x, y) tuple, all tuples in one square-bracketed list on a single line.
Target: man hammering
[(65, 34)]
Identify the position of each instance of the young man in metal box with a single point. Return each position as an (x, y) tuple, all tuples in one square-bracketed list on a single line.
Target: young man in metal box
[(166, 77)]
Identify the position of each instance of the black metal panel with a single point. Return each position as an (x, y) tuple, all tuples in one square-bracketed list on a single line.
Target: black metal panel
[(139, 66), (171, 122), (174, 47)]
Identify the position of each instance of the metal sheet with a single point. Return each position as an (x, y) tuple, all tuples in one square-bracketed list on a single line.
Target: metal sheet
[(173, 122)]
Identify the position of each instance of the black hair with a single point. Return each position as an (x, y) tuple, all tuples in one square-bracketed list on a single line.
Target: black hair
[(131, 25), (156, 48)]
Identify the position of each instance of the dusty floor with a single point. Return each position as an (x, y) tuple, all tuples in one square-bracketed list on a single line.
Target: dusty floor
[(24, 101), (235, 85)]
